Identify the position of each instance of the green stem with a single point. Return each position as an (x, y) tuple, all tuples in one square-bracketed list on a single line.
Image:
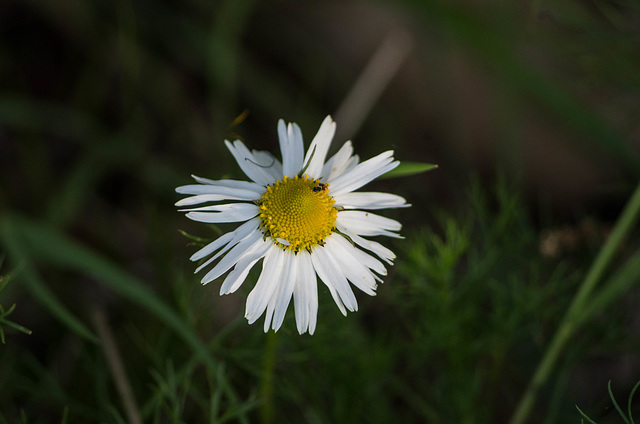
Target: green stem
[(15, 326), (574, 314), (266, 385)]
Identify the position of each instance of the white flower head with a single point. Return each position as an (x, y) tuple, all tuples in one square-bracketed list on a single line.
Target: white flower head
[(300, 216)]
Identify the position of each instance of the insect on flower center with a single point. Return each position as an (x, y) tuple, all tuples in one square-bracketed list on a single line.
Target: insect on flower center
[(297, 213)]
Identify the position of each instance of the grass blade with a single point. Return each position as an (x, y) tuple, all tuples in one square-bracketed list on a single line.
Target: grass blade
[(615, 404), (11, 238), (633, 392), (580, 303), (589, 420), (624, 278), (55, 248)]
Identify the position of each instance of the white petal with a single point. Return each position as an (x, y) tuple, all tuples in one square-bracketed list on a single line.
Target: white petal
[(205, 198), (234, 212), (234, 255), (210, 193), (270, 277), (385, 254), (305, 294), (368, 224), (236, 277), (363, 173), (240, 234), (339, 162), (332, 276), (357, 273), (250, 165), (317, 152), (237, 238), (364, 258), (271, 166), (241, 185), (213, 246), (231, 238), (217, 189), (295, 134), (285, 149), (280, 299), (370, 200), (291, 147)]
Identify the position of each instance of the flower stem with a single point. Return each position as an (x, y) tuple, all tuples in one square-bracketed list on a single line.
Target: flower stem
[(266, 385), (573, 317)]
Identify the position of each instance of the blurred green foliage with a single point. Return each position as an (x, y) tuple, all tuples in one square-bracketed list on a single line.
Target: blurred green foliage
[(4, 280), (449, 338)]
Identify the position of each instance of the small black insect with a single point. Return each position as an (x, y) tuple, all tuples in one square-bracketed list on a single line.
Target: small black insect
[(321, 187)]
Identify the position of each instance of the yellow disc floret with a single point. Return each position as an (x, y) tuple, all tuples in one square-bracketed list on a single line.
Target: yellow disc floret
[(297, 213)]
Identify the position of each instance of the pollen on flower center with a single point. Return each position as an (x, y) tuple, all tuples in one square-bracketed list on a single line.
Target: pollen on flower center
[(297, 213)]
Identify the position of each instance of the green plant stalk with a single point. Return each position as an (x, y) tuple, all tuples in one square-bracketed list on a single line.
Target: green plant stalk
[(630, 400), (14, 326), (615, 404), (574, 314), (622, 280), (266, 385)]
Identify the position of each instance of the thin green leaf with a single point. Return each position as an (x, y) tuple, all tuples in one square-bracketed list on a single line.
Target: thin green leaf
[(16, 326), (620, 282), (306, 165), (194, 238), (633, 392), (589, 420), (65, 415), (407, 169), (238, 413), (9, 311), (215, 398), (4, 280), (613, 399)]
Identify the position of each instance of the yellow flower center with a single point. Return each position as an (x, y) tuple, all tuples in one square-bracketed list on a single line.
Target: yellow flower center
[(297, 213)]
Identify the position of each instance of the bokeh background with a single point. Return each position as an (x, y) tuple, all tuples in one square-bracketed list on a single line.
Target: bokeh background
[(531, 110)]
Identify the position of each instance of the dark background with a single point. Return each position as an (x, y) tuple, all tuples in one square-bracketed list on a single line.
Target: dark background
[(530, 109)]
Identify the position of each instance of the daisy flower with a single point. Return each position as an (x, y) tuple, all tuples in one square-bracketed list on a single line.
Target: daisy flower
[(302, 218)]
